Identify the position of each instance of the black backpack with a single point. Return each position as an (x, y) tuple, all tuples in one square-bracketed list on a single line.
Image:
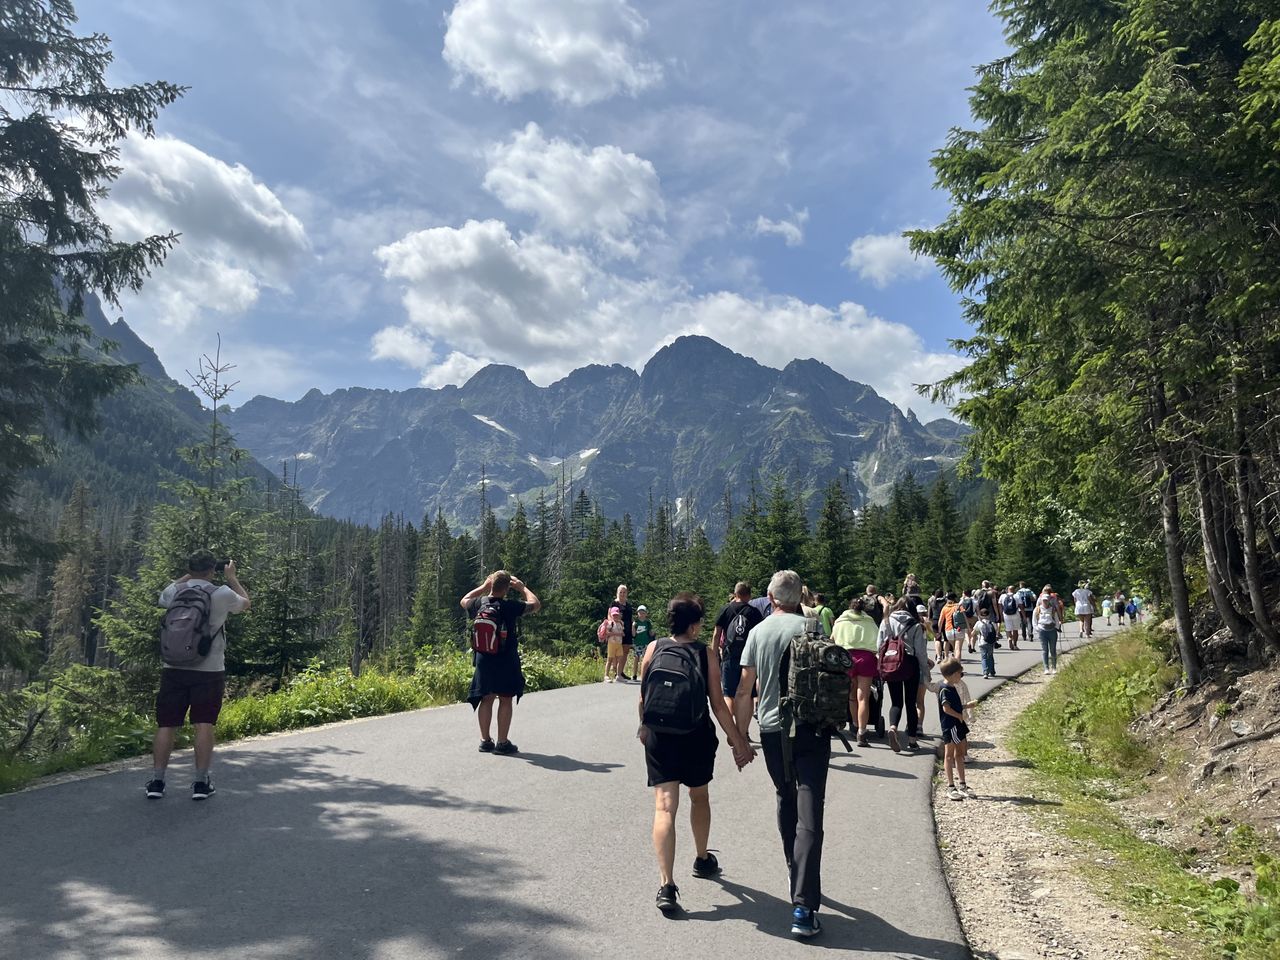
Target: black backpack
[(736, 635), (1009, 603), (675, 688), (967, 606), (184, 632)]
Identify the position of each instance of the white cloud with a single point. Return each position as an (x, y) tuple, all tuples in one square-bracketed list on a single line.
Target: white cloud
[(477, 292), (791, 231), (575, 192), (578, 51), (237, 237), (883, 258)]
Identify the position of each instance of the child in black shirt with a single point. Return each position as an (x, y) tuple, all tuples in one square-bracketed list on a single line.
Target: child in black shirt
[(955, 732)]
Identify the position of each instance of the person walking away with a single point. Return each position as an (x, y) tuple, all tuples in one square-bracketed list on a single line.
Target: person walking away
[(1132, 610), (986, 634), (1048, 620), (1026, 603), (1106, 609), (1011, 611), (642, 634), (986, 600), (1083, 598), (495, 613), (957, 623), (955, 731), (857, 632), (1118, 604), (193, 646), (678, 696), (624, 606), (936, 602), (797, 758), (903, 663), (1136, 616), (611, 632), (873, 604), (922, 615), (826, 616), (970, 608), (733, 625)]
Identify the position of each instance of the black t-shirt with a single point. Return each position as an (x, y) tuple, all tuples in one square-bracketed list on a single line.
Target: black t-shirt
[(627, 612), (935, 608), (512, 611), (874, 608), (985, 602), (950, 696), (726, 618)]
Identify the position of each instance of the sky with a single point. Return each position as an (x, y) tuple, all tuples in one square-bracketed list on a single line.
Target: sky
[(397, 192)]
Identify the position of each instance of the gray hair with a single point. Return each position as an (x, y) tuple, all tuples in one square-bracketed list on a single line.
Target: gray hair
[(785, 588)]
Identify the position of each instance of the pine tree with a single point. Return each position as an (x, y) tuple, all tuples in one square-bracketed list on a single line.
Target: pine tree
[(60, 125), (74, 581)]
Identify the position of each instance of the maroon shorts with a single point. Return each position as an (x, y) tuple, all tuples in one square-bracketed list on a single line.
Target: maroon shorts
[(199, 691), (864, 664)]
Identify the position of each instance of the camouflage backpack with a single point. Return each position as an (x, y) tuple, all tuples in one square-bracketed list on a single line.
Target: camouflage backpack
[(817, 691)]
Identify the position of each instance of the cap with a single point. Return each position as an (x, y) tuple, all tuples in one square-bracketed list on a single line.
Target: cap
[(613, 610), (921, 608), (642, 607)]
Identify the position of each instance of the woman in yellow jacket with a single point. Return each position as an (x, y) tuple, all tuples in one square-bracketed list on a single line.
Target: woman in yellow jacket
[(856, 631)]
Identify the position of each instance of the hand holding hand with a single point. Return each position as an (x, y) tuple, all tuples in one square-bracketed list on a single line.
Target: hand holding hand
[(743, 753)]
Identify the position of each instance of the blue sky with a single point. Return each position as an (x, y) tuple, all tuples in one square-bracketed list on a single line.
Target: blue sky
[(392, 193)]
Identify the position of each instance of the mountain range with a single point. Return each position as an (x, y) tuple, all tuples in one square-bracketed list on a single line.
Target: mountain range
[(697, 421)]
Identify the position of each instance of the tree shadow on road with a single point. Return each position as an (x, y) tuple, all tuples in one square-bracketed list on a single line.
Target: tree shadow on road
[(563, 764), (294, 857), (843, 927)]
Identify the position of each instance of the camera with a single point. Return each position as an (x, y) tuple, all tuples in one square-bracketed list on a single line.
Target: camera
[(220, 566)]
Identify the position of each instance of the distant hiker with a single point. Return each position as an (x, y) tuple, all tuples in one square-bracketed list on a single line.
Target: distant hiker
[(1132, 610), (808, 608), (873, 604), (904, 662), (937, 600), (1026, 603), (642, 634), (922, 615), (1084, 599), (733, 625), (985, 631), (857, 632), (1106, 609), (796, 754), (193, 645), (679, 684), (970, 607), (1011, 611), (495, 643), (955, 627), (1047, 616), (1136, 601), (955, 731), (911, 590), (986, 600), (826, 616), (624, 605), (1118, 604), (610, 633)]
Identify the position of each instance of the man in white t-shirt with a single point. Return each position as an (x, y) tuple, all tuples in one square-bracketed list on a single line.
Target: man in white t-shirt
[(197, 687), (1083, 597)]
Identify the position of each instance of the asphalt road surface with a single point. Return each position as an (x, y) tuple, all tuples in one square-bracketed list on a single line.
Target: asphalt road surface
[(394, 838)]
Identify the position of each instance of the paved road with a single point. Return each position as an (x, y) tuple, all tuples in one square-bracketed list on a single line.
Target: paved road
[(393, 838)]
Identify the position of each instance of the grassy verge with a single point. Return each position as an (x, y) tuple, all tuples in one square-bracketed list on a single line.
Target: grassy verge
[(1077, 739), (77, 725)]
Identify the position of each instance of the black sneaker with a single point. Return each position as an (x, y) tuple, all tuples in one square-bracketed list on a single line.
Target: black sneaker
[(505, 746), (486, 746), (666, 901), (202, 790), (704, 868), (155, 789)]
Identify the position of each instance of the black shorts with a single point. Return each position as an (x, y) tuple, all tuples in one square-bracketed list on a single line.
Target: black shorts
[(956, 733), (197, 691), (688, 758), (731, 675)]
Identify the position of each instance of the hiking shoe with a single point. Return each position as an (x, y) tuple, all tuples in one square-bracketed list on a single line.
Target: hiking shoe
[(968, 791), (893, 741), (505, 747), (955, 794), (155, 789), (804, 923), (912, 745), (202, 790), (863, 741), (704, 868), (666, 901), (486, 745)]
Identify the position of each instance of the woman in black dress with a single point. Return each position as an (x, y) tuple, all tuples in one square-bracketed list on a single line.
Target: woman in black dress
[(686, 758)]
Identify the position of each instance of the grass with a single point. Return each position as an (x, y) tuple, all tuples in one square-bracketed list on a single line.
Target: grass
[(81, 732), (1077, 739)]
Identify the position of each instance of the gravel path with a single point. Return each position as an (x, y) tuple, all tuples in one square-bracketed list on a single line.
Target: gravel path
[(1016, 886)]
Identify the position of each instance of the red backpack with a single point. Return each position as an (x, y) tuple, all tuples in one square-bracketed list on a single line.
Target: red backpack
[(895, 656), (488, 630)]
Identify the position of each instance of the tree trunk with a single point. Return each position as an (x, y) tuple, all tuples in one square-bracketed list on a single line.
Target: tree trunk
[(1171, 523), (1215, 554), (1243, 460)]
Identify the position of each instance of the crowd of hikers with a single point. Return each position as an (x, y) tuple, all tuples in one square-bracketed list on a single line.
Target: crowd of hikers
[(784, 658)]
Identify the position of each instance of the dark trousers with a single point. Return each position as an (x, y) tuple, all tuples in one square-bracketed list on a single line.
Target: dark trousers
[(801, 798), (898, 691)]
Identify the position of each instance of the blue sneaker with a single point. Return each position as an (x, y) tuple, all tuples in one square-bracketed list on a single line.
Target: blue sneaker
[(804, 923)]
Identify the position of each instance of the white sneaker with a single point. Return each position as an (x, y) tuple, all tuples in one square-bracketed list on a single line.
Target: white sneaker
[(1046, 671)]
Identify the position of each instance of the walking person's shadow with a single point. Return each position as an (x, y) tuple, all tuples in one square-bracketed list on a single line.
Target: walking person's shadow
[(562, 764)]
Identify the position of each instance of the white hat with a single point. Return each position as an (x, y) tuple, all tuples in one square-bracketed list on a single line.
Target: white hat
[(642, 607)]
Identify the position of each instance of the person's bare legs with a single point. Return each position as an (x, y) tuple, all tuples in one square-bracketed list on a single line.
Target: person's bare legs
[(484, 714), (504, 717), (699, 819), (862, 695), (666, 801), (961, 749), (920, 692), (162, 747), (204, 745), (948, 763)]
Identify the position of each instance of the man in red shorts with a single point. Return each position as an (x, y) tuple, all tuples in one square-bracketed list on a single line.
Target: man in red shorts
[(197, 686)]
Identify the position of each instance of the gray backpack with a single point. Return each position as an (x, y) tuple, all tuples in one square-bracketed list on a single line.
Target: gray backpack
[(184, 631)]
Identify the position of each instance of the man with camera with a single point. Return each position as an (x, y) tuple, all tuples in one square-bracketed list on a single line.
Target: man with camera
[(193, 644)]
